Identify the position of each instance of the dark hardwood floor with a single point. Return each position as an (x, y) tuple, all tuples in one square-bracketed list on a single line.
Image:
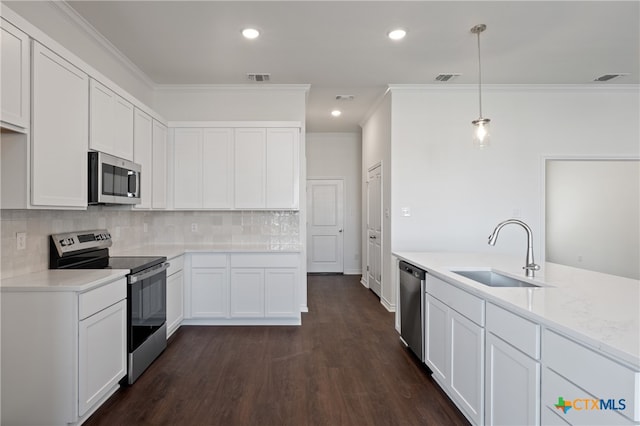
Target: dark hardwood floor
[(344, 366)]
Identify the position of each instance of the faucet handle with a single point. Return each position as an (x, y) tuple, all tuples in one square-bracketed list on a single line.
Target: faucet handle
[(532, 267)]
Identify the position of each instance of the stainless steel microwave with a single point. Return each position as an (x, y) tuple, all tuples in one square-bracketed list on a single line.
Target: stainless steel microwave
[(113, 180)]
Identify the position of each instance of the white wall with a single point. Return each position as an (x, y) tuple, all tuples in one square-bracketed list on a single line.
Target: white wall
[(339, 155), (593, 215), (51, 18), (457, 194), (232, 102), (376, 148)]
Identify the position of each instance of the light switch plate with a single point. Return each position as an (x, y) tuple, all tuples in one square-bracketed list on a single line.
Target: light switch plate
[(21, 240)]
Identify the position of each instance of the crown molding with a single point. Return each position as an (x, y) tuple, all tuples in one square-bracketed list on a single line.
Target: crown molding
[(586, 87), (268, 87), (91, 31)]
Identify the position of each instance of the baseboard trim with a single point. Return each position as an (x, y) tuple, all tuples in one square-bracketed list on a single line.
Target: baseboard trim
[(388, 306)]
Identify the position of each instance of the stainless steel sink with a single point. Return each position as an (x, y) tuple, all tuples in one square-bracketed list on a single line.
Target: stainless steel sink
[(494, 279)]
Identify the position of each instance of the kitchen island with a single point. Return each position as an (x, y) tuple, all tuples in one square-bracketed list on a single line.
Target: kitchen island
[(576, 335)]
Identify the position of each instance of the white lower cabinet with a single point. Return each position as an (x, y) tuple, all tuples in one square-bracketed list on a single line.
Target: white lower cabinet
[(454, 340), (247, 293), (209, 293), (242, 289), (512, 369), (175, 295), (598, 389), (102, 354), (513, 385), (60, 370)]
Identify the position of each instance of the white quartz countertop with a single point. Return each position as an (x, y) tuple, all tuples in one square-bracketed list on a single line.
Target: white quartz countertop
[(77, 280), (174, 250), (597, 309)]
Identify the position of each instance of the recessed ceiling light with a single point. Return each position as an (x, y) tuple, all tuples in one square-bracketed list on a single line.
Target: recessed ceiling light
[(336, 113), (397, 34), (250, 33)]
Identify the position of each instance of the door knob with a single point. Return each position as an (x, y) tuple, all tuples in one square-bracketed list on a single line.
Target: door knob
[(339, 230)]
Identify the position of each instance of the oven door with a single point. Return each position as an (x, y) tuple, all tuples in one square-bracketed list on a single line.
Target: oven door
[(147, 304)]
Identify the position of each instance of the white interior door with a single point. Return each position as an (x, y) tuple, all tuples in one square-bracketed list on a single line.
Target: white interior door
[(325, 225), (374, 229)]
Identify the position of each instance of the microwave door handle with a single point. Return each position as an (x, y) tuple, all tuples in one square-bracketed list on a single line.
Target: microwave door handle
[(132, 177), (148, 273)]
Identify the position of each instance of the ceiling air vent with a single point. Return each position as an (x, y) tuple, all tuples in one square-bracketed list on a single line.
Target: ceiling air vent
[(447, 77), (607, 77), (258, 77)]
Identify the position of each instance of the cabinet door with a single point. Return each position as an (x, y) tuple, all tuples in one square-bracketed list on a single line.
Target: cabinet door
[(187, 160), (280, 293), (282, 169), (217, 168), (159, 166), (514, 377), (175, 302), (209, 296), (101, 354), (436, 339), (247, 293), (123, 128), (60, 131), (143, 137), (467, 365), (249, 168), (101, 117), (14, 59)]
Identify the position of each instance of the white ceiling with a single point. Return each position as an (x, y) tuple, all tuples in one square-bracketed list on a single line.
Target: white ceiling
[(341, 47)]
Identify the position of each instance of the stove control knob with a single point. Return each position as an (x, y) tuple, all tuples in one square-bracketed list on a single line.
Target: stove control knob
[(63, 242)]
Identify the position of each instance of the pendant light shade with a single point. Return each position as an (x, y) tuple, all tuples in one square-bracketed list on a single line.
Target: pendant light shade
[(481, 126)]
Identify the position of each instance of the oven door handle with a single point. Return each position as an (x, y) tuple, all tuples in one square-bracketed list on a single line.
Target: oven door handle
[(148, 273)]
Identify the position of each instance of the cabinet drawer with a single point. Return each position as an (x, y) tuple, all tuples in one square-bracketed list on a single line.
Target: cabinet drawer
[(595, 373), (177, 265), (208, 260), (582, 411), (465, 303), (517, 331), (265, 260), (95, 300)]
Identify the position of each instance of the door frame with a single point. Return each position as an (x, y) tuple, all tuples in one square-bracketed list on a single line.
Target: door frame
[(344, 205), (365, 231)]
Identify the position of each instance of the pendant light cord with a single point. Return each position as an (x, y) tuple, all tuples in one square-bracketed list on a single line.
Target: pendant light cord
[(479, 77)]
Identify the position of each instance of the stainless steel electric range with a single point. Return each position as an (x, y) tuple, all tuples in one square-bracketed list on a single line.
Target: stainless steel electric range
[(146, 290)]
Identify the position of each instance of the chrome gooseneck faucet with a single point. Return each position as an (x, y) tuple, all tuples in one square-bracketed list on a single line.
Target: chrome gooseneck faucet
[(530, 267)]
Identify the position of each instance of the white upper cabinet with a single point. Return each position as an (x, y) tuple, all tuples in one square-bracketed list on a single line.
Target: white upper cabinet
[(203, 168), (14, 58), (217, 170), (249, 168), (187, 160), (282, 169), (111, 122), (60, 131), (266, 165), (159, 166), (142, 154), (242, 168)]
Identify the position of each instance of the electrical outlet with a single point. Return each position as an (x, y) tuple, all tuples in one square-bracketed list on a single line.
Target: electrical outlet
[(21, 240), (406, 211), (194, 227)]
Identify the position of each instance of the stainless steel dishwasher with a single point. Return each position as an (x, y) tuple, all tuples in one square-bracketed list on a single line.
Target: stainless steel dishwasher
[(412, 307)]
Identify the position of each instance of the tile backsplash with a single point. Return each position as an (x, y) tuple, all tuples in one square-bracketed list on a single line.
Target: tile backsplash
[(136, 228)]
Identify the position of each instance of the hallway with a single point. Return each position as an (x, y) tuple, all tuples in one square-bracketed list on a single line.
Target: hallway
[(344, 366)]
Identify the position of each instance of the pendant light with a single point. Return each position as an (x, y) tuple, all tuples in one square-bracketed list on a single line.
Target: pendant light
[(481, 136)]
